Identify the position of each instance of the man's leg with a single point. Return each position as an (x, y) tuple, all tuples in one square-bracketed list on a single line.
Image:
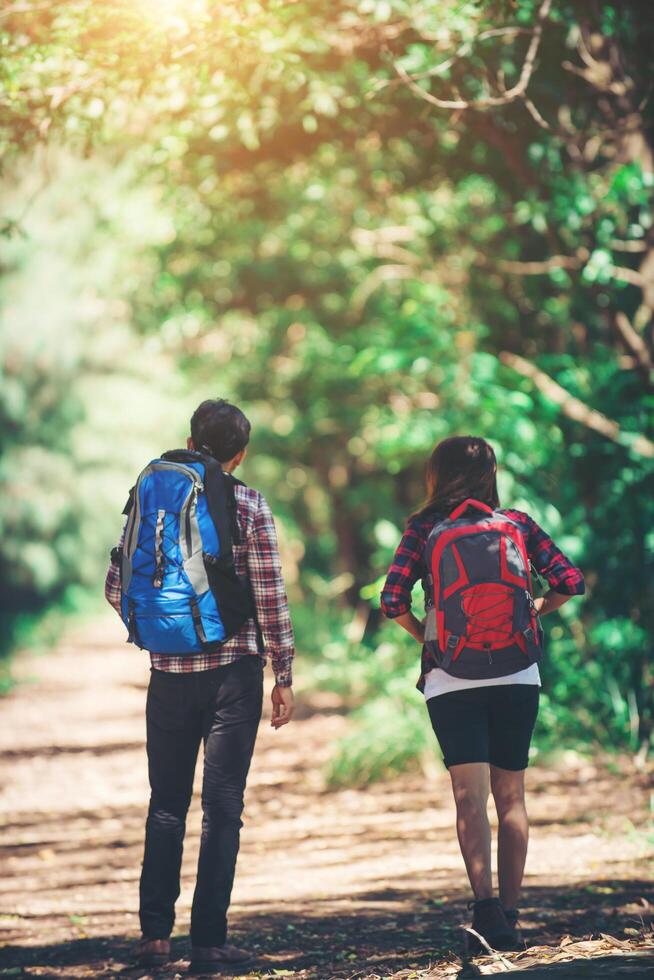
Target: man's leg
[(230, 732), (174, 732), (470, 784)]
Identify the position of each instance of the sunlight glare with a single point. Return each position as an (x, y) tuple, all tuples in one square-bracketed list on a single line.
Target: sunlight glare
[(174, 13)]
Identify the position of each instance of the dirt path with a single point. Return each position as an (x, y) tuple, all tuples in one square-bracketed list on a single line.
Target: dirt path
[(364, 883)]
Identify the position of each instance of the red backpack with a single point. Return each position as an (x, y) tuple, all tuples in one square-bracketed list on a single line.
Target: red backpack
[(481, 620)]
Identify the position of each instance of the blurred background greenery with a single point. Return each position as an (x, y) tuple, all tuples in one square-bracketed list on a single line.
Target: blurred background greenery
[(372, 223)]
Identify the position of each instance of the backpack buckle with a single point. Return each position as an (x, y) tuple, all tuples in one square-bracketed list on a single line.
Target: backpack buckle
[(450, 647), (132, 628)]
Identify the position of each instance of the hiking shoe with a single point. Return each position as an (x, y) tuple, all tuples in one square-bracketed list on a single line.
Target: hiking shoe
[(489, 920), (210, 959), (512, 916), (152, 952)]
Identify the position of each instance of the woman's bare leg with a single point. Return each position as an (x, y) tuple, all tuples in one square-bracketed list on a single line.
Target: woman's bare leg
[(471, 784), (508, 790)]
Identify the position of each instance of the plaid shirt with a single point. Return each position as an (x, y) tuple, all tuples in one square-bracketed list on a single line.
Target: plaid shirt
[(408, 564), (258, 558)]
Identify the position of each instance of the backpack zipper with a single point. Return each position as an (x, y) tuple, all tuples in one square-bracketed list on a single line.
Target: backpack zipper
[(187, 507)]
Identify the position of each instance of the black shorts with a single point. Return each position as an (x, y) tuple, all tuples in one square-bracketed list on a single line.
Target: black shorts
[(486, 724)]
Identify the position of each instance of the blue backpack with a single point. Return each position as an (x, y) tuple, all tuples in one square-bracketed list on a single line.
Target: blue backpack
[(180, 590)]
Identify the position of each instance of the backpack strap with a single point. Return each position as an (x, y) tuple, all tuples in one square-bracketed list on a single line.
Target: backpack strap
[(452, 649), (221, 502), (528, 641), (230, 485), (130, 501), (469, 502)]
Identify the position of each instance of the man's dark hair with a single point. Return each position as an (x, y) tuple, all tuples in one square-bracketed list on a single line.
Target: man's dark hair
[(219, 429)]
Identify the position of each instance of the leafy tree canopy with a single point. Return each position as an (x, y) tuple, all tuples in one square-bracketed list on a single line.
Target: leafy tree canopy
[(391, 221)]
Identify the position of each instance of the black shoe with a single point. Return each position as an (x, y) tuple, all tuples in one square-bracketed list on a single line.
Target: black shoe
[(512, 916), (489, 920)]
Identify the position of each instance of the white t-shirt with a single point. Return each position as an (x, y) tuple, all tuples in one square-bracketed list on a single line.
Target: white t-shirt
[(438, 682)]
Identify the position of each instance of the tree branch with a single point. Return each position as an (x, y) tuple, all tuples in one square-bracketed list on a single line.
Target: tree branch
[(635, 245), (577, 410), (537, 117), (571, 262), (635, 344), (461, 52), (623, 274), (380, 275), (510, 95), (540, 268)]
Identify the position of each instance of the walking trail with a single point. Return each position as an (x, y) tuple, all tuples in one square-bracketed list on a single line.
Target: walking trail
[(363, 883)]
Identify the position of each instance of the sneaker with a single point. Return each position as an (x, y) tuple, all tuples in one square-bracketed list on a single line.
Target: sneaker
[(489, 920), (207, 959), (152, 952)]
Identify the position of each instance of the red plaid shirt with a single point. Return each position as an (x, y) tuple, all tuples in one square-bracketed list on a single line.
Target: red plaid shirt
[(408, 564), (258, 558)]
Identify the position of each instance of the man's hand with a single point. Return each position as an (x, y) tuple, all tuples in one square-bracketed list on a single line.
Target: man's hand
[(283, 704)]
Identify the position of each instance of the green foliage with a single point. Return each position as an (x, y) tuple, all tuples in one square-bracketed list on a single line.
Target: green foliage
[(75, 384), (293, 225), (391, 735)]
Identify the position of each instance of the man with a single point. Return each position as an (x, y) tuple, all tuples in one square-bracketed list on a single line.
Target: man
[(215, 697)]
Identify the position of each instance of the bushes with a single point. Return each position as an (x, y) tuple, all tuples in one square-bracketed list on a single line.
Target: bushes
[(587, 700), (81, 408)]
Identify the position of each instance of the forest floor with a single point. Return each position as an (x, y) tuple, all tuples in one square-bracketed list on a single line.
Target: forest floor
[(364, 883)]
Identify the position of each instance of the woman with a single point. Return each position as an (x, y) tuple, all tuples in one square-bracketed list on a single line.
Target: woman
[(482, 689)]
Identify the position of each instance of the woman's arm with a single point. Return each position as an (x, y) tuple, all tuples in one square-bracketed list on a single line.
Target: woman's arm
[(550, 601), (406, 569), (412, 625), (562, 575)]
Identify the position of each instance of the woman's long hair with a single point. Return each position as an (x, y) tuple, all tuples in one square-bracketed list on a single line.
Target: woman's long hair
[(459, 467)]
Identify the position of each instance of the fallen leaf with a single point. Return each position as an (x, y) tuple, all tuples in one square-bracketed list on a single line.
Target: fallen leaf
[(612, 941)]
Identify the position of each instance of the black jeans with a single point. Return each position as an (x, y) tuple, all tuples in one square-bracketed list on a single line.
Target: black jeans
[(222, 707)]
